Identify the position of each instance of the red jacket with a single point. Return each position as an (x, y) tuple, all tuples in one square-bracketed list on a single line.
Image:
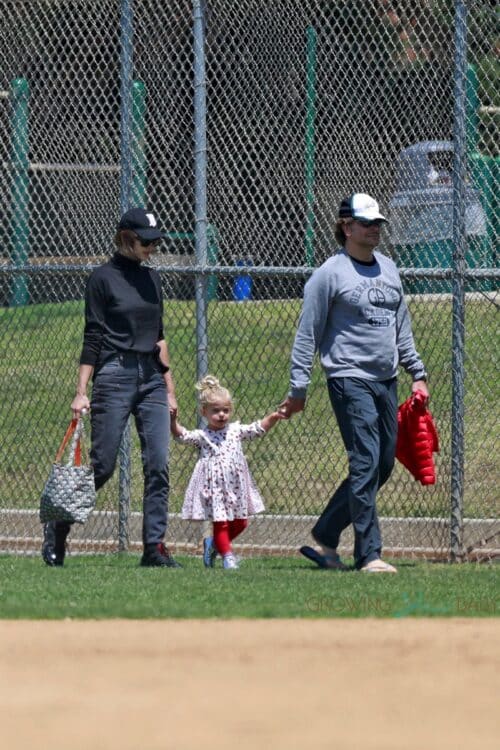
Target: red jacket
[(417, 438)]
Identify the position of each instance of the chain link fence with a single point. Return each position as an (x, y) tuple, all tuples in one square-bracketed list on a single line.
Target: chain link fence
[(242, 125)]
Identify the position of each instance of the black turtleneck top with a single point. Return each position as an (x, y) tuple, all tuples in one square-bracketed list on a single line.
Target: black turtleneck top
[(123, 311)]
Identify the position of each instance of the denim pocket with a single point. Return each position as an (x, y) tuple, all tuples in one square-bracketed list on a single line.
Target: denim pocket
[(111, 365)]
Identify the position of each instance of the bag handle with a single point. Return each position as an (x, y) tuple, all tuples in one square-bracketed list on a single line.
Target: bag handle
[(66, 438), (75, 431)]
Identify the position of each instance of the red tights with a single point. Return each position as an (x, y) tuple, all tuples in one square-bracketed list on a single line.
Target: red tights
[(226, 531)]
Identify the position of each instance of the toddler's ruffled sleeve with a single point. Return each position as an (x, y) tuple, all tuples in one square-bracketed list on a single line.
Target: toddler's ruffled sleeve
[(190, 437), (251, 431)]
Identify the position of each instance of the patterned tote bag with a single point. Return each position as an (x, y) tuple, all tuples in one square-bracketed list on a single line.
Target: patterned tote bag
[(69, 493)]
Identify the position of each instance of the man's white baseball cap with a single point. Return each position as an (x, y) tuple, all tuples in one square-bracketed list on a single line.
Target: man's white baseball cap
[(360, 206)]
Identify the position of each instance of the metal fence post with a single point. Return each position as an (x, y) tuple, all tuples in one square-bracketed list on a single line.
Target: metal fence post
[(472, 109), (458, 314), (310, 141), (126, 63), (212, 258), (20, 185), (200, 189), (139, 183)]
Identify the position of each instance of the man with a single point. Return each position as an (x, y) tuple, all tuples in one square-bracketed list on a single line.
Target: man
[(355, 315)]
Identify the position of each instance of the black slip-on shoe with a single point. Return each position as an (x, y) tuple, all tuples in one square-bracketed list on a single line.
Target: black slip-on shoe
[(54, 542), (158, 556), (327, 562)]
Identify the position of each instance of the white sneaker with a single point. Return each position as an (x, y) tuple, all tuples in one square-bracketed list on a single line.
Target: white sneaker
[(229, 562), (378, 566)]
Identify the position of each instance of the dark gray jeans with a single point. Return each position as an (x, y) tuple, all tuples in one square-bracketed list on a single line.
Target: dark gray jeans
[(366, 413), (128, 384)]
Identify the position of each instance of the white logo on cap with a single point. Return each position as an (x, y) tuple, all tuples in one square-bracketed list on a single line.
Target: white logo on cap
[(365, 207), (151, 219)]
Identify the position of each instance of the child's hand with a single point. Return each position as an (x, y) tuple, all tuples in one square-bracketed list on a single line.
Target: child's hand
[(175, 427), (276, 415), (271, 419)]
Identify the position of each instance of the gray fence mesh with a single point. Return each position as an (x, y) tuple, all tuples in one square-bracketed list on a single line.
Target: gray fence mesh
[(306, 103)]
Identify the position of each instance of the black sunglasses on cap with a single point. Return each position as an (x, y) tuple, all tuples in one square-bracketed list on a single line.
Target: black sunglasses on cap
[(370, 222)]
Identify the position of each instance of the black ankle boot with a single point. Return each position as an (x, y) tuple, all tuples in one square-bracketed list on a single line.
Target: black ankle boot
[(54, 542), (158, 556)]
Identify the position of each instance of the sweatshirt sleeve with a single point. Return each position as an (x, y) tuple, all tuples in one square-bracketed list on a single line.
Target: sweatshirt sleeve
[(318, 293), (409, 358), (95, 302)]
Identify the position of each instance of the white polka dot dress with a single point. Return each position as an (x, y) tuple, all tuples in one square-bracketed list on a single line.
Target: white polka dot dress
[(221, 487)]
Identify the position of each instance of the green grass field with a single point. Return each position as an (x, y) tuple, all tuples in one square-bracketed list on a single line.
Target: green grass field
[(298, 464), (114, 586), (295, 466)]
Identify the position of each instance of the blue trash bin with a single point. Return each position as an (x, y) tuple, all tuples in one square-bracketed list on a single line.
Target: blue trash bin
[(242, 286)]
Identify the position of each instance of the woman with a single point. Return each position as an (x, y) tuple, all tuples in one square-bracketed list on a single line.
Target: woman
[(125, 353)]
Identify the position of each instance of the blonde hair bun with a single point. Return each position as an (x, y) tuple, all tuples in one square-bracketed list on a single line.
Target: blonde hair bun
[(209, 381), (211, 390)]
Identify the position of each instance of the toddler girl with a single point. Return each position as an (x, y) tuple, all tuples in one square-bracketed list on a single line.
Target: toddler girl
[(221, 488)]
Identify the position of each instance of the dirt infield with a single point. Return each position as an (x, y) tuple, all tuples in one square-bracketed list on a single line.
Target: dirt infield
[(250, 685)]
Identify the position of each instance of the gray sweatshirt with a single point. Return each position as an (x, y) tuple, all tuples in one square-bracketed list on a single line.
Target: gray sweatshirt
[(355, 315)]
